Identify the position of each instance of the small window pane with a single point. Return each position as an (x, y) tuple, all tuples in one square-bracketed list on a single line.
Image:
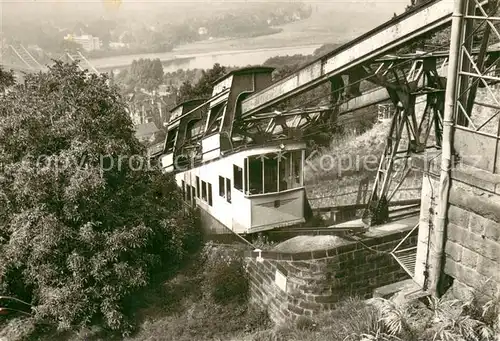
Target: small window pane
[(197, 186), (255, 175), (297, 168), (210, 194), (270, 174), (228, 190), (222, 187), (238, 177), (171, 137), (204, 190), (283, 172)]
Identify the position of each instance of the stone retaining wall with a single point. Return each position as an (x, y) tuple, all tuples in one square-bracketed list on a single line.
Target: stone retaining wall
[(295, 284), (472, 249)]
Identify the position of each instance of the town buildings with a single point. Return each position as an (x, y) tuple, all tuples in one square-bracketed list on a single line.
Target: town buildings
[(87, 41)]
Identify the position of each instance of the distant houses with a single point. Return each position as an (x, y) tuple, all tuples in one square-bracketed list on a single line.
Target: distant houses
[(152, 137), (146, 132), (87, 41), (144, 106)]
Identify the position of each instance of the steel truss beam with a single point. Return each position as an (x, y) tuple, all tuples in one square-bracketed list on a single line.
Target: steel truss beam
[(373, 44), (478, 67), (475, 68), (26, 57), (290, 124), (343, 100), (479, 72), (394, 166), (78, 57)]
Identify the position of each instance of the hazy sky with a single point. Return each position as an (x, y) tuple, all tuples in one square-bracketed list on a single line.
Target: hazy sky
[(15, 11), (152, 5)]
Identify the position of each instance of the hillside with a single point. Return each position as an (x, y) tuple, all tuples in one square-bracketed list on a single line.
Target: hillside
[(207, 300)]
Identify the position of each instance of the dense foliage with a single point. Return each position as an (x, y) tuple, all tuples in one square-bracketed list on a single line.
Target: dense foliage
[(84, 223), (146, 73), (6, 79), (203, 88)]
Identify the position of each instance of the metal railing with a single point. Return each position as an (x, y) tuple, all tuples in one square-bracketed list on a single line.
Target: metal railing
[(406, 257)]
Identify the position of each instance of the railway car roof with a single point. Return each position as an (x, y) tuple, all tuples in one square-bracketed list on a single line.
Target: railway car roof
[(245, 70)]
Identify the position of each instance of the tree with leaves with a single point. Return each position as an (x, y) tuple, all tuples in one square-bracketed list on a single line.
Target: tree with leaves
[(185, 92), (84, 223), (203, 88), (7, 79), (146, 73)]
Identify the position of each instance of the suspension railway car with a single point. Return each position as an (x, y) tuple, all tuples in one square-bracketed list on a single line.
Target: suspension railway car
[(240, 178)]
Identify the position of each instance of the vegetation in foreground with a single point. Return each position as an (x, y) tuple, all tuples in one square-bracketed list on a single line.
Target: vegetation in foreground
[(85, 221), (208, 300), (63, 114), (387, 320)]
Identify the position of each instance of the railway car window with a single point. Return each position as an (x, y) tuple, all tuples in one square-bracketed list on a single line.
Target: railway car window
[(270, 174), (203, 190), (228, 190), (297, 168), (210, 194), (198, 186), (238, 177), (255, 183), (171, 136), (183, 189), (194, 129), (188, 193), (290, 170), (284, 172), (222, 187), (216, 115)]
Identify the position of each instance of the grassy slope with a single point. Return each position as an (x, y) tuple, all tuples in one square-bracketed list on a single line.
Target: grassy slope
[(353, 320), (187, 307), (344, 173), (347, 152)]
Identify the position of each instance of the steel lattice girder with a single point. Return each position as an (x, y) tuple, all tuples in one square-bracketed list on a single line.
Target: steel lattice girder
[(405, 117), (380, 72), (477, 123)]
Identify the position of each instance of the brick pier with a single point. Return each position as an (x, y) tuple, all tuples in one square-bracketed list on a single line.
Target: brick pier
[(306, 283)]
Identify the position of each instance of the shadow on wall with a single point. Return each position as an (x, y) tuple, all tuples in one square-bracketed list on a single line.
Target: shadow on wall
[(363, 191), (356, 190)]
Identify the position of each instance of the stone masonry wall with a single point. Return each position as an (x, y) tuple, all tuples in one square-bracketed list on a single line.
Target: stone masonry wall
[(472, 249), (291, 285)]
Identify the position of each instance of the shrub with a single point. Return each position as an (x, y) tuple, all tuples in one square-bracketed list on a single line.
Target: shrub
[(83, 226), (227, 279), (17, 329), (305, 324)]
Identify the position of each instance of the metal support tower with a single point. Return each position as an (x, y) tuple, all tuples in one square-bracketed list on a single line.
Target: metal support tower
[(477, 68), (480, 29), (80, 58), (394, 166), (26, 57)]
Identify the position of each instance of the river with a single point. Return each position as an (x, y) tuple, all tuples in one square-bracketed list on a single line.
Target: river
[(174, 61)]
